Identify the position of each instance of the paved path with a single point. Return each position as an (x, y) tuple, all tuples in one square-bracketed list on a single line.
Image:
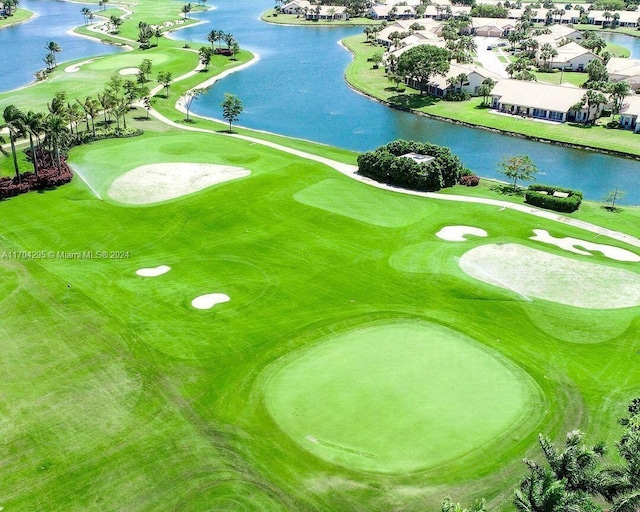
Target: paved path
[(488, 58)]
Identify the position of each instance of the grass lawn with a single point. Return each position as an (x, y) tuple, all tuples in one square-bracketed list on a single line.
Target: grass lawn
[(373, 82), (19, 16), (555, 78), (118, 394)]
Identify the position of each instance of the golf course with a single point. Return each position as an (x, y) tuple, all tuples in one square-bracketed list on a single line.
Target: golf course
[(206, 319)]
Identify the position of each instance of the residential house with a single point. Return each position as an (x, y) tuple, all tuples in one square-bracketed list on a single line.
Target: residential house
[(627, 70), (630, 113), (492, 27), (572, 57), (391, 12), (327, 13), (625, 18), (541, 101), (440, 85), (296, 7), (430, 27)]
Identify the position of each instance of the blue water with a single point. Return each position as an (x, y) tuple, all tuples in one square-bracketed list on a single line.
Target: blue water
[(297, 88), (23, 45), (631, 43)]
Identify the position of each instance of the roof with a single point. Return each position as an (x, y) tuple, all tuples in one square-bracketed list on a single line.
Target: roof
[(625, 16), (571, 51), (559, 98), (501, 23), (468, 69), (631, 106), (623, 67)]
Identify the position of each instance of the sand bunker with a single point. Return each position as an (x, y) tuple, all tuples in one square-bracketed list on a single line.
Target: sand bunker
[(210, 300), (537, 274), (571, 244), (74, 68), (153, 272), (459, 233), (129, 71), (160, 182)]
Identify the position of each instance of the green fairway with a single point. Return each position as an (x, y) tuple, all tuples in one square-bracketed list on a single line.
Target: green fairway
[(349, 321), (400, 397)]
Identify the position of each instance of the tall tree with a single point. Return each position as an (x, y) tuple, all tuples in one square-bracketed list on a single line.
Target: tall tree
[(14, 121), (165, 78), (56, 131), (519, 167), (422, 62), (232, 107), (192, 95)]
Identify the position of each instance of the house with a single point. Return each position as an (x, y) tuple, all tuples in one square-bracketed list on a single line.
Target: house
[(572, 57), (431, 30), (327, 13), (630, 113), (624, 18), (387, 12), (540, 101), (492, 27), (442, 11), (296, 7), (440, 85), (627, 70)]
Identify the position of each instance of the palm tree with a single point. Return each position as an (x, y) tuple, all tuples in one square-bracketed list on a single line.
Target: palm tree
[(186, 9), (85, 13), (115, 23), (619, 91), (57, 133), (14, 121), (52, 47), (33, 122)]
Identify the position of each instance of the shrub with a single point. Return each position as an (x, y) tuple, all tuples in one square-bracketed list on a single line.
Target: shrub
[(542, 196), (386, 165), (48, 177), (470, 180)]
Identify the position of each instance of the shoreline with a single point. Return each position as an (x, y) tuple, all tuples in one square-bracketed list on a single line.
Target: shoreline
[(584, 147), (32, 15)]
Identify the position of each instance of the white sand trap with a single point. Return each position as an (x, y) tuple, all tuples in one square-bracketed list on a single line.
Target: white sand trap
[(210, 300), (546, 276), (129, 71), (153, 272), (572, 244), (160, 182), (76, 67), (459, 233)]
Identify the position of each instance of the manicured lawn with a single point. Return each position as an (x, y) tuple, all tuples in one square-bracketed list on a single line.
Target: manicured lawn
[(18, 16), (555, 78), (271, 16), (349, 320)]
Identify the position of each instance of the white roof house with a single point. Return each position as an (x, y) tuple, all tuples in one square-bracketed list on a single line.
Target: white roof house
[(431, 29), (296, 7), (384, 12), (492, 27), (538, 100), (630, 113), (626, 18), (439, 85), (624, 69), (572, 56)]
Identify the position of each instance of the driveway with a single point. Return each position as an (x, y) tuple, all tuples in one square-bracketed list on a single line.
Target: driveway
[(488, 58)]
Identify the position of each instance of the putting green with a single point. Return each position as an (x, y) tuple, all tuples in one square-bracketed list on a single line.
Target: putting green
[(400, 397)]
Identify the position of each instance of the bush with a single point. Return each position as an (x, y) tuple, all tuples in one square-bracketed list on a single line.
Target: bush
[(542, 196), (48, 177), (470, 180), (386, 165), (108, 133)]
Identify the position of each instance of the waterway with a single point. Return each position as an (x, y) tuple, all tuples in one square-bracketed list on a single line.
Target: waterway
[(297, 88), (23, 45)]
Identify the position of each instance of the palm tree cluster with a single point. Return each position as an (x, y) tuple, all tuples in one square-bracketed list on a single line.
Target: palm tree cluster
[(575, 479), (218, 36), (9, 7), (47, 134), (50, 59)]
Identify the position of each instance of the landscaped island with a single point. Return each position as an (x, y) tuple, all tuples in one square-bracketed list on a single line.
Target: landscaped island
[(209, 318)]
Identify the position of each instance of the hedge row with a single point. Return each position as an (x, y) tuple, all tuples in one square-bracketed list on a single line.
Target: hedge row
[(48, 177), (535, 196), (108, 133), (385, 165)]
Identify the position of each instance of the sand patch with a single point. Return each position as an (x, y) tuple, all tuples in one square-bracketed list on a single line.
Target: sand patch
[(154, 271), (534, 273), (459, 233), (76, 67), (129, 71), (572, 244), (209, 300), (160, 182)]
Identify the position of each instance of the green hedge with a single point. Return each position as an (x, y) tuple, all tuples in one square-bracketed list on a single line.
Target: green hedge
[(385, 165), (535, 197)]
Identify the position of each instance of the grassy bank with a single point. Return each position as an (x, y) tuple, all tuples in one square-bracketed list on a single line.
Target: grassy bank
[(19, 16)]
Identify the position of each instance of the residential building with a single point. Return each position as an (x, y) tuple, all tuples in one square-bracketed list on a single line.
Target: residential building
[(630, 113), (627, 70)]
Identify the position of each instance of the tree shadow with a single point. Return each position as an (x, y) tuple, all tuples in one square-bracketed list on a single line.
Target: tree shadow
[(508, 190), (612, 209)]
